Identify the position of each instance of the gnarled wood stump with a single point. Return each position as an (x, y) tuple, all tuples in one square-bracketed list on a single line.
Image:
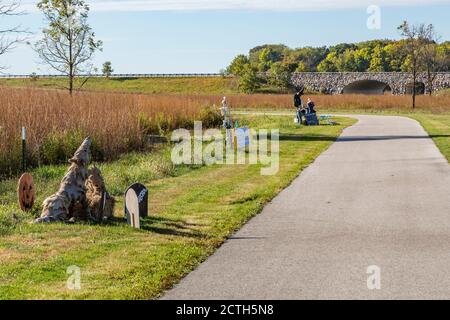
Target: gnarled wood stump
[(71, 195)]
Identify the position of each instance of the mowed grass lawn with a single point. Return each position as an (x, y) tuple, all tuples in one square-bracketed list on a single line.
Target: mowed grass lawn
[(192, 212), (180, 85), (438, 127)]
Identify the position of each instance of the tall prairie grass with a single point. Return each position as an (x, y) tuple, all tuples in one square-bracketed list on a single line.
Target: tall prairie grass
[(433, 104), (118, 123)]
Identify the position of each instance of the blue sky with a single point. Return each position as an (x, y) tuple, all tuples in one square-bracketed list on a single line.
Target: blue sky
[(183, 36)]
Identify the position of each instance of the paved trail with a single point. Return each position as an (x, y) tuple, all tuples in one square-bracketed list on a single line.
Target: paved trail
[(379, 196)]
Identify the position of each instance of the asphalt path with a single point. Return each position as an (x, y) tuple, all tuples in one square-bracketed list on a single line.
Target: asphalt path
[(369, 219)]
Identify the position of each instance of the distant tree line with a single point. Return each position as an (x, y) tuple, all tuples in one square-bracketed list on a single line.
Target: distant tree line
[(274, 64)]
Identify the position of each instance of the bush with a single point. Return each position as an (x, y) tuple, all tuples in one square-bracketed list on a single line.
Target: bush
[(146, 125), (10, 218), (249, 81), (60, 147), (211, 117)]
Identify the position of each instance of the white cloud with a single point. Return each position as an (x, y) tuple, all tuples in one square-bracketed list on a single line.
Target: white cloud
[(270, 5)]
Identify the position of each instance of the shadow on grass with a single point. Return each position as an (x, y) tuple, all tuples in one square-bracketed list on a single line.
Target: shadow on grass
[(388, 137), (299, 137), (122, 79), (171, 227), (160, 225)]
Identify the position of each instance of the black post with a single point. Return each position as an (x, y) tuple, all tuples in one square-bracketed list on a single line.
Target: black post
[(24, 152)]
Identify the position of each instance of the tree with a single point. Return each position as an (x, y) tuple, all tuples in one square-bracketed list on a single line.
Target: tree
[(414, 36), (280, 75), (378, 60), (395, 55), (277, 52), (308, 57), (249, 81), (238, 65), (432, 57), (301, 67), (362, 58), (329, 63), (68, 42), (266, 58), (9, 37), (107, 69)]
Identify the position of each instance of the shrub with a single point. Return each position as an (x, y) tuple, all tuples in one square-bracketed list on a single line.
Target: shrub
[(211, 117)]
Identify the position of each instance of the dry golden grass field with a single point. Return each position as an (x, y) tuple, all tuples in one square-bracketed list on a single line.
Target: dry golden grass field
[(56, 122)]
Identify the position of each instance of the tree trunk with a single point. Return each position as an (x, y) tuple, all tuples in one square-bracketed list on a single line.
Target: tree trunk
[(414, 81), (71, 62), (70, 83), (430, 81)]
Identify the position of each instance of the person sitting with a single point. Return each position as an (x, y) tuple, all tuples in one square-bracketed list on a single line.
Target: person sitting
[(310, 105)]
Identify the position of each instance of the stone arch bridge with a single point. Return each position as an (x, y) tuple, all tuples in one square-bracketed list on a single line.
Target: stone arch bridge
[(371, 82)]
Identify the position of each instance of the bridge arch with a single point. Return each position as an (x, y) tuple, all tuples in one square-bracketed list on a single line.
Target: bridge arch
[(420, 88), (369, 87)]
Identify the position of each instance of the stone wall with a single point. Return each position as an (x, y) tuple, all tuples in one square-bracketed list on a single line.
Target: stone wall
[(335, 82)]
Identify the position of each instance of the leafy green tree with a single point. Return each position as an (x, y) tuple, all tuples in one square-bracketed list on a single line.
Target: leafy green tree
[(280, 75), (301, 67), (443, 53), (347, 61), (249, 81), (238, 65), (310, 57), (395, 55), (266, 58), (107, 69), (378, 62), (68, 43), (381, 55), (329, 64), (277, 52), (362, 58), (342, 47)]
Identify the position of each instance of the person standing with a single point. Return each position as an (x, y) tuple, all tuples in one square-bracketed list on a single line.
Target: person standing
[(298, 103)]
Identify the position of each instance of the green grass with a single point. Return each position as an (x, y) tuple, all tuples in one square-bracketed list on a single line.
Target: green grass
[(438, 127), (188, 85), (445, 92), (182, 85), (192, 211)]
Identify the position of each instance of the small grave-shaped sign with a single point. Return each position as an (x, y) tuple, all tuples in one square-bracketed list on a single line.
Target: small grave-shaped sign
[(26, 192), (136, 204)]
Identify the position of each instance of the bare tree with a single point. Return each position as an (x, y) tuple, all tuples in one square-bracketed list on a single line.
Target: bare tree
[(10, 37), (68, 42), (414, 36), (432, 58)]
